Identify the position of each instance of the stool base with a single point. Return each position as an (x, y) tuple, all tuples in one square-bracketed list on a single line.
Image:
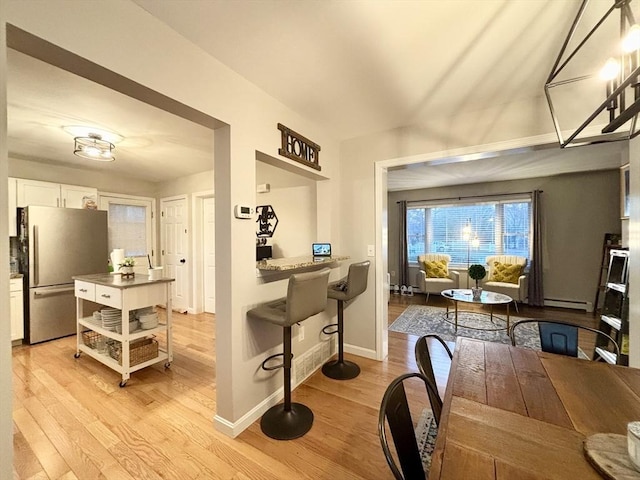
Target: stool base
[(338, 370), (286, 425)]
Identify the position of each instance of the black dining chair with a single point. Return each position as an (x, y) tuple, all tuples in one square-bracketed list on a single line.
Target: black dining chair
[(562, 337), (395, 412), (425, 365)]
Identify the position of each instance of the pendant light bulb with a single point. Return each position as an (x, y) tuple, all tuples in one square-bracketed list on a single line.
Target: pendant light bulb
[(610, 70)]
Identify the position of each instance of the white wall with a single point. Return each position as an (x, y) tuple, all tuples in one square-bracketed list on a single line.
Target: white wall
[(6, 421), (198, 182), (146, 51), (293, 198), (104, 182)]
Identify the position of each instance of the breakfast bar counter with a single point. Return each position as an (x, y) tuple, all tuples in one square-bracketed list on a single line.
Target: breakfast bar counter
[(292, 263)]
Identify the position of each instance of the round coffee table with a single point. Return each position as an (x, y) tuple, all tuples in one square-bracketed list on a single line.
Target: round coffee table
[(486, 298)]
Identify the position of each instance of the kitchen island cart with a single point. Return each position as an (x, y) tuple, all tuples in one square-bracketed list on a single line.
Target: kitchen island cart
[(114, 344)]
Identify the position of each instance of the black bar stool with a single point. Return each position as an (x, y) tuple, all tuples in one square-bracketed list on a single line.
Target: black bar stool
[(306, 296), (344, 290)]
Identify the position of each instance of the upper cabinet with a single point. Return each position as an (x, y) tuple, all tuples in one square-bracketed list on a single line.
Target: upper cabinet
[(74, 196), (34, 192)]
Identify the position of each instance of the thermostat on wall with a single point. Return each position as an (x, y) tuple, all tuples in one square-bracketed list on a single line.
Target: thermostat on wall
[(242, 211)]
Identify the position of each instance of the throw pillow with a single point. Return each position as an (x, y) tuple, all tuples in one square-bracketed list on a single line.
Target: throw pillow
[(436, 268), (506, 272)]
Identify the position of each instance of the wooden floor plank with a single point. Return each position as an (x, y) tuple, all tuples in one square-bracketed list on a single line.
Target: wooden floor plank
[(73, 421)]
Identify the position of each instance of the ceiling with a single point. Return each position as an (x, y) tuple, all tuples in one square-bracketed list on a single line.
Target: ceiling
[(357, 66), (42, 99)]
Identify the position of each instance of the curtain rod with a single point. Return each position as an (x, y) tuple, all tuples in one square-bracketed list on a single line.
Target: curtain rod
[(464, 198)]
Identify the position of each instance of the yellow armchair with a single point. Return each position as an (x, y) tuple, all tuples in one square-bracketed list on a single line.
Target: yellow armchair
[(429, 284), (516, 287)]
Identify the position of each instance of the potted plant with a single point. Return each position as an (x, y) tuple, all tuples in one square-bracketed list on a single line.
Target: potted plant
[(477, 272), (126, 268)]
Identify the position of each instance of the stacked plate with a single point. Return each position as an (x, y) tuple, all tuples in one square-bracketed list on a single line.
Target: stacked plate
[(111, 318), (97, 317)]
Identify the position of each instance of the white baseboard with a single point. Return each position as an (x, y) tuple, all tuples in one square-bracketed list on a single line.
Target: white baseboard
[(361, 352), (303, 367), (575, 304), (233, 429)]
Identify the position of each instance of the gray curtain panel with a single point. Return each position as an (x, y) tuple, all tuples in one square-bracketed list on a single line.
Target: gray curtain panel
[(403, 274), (536, 290)]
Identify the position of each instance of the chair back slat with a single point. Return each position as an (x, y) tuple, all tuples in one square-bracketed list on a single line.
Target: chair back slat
[(404, 438), (395, 412), (425, 366)]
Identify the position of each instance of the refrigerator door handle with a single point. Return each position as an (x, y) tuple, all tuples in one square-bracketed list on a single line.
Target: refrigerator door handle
[(53, 291), (36, 261)]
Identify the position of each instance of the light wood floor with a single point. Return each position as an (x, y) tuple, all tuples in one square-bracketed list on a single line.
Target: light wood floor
[(71, 420)]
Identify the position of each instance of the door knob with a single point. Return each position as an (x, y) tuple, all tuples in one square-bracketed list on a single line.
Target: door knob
[(183, 260)]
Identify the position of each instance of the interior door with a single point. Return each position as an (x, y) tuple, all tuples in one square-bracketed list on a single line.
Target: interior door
[(209, 254), (174, 242)]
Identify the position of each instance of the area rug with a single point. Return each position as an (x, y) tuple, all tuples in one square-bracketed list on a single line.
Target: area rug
[(421, 319), (426, 432)]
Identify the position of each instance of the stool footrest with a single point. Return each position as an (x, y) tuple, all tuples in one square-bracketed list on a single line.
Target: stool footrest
[(333, 326), (273, 367)]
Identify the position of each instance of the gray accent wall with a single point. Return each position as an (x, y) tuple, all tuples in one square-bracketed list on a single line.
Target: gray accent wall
[(579, 208)]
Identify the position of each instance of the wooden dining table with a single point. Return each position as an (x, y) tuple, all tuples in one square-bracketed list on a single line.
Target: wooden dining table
[(515, 413)]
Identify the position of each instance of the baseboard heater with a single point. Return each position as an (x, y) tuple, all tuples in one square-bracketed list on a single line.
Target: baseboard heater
[(575, 304)]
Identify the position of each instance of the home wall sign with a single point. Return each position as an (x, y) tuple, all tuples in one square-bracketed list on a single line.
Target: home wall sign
[(299, 148), (267, 221)]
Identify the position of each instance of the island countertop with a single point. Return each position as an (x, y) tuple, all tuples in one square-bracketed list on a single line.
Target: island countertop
[(291, 263), (116, 280)]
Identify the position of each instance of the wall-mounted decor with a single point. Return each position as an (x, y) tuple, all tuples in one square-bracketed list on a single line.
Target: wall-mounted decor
[(267, 221), (299, 148)]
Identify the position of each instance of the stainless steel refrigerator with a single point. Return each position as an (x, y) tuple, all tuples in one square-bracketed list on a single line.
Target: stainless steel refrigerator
[(56, 244)]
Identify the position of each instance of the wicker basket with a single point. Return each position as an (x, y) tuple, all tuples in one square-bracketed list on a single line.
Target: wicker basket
[(91, 338), (139, 351)]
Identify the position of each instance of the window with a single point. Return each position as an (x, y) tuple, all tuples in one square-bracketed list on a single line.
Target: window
[(130, 225), (470, 231)]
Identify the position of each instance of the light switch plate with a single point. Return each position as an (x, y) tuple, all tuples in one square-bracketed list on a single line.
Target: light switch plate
[(371, 251)]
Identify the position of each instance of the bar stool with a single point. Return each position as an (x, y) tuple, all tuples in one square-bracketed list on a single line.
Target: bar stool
[(344, 290), (306, 296)]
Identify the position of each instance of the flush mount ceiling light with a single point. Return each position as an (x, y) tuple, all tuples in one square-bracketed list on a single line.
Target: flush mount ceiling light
[(92, 147), (84, 131), (593, 90)]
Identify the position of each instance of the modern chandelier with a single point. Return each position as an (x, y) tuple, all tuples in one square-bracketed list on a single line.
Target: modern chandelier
[(93, 147), (593, 90)]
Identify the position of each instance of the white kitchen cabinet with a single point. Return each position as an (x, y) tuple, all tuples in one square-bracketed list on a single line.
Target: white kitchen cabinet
[(16, 309), (35, 192), (73, 196), (126, 295), (48, 194), (12, 203)]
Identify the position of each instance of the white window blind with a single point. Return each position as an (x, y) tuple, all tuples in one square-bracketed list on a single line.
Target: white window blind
[(470, 231), (128, 229)]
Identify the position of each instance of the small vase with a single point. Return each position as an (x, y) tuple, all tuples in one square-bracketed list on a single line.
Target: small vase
[(476, 292), (126, 271)]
